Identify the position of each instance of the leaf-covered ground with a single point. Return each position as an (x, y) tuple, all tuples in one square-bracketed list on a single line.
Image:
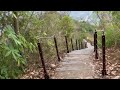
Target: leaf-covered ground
[(112, 64), (34, 68), (36, 72)]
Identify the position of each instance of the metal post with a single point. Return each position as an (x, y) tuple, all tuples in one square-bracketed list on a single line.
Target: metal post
[(79, 44), (94, 41), (72, 44), (103, 55), (85, 44), (76, 45), (96, 53), (56, 48), (66, 44), (46, 76)]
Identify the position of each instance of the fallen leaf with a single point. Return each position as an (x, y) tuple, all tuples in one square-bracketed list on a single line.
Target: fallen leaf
[(113, 72)]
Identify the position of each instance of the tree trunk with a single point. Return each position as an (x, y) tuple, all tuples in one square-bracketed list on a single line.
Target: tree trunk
[(16, 23)]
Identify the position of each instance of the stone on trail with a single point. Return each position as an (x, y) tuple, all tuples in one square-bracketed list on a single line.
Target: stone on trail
[(53, 66)]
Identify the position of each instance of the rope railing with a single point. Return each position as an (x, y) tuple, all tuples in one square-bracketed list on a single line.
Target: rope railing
[(96, 47), (69, 46)]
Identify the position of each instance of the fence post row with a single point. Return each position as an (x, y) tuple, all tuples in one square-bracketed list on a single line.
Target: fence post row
[(66, 44), (103, 55), (56, 48), (96, 53), (46, 76)]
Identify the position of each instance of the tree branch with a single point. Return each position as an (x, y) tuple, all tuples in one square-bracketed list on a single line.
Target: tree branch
[(101, 21), (28, 22)]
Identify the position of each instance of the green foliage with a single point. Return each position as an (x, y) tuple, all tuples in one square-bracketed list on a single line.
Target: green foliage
[(110, 22), (15, 49), (86, 27), (67, 25), (99, 40), (112, 38), (11, 49)]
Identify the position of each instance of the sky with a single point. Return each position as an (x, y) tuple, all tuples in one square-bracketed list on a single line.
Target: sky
[(84, 15), (80, 14)]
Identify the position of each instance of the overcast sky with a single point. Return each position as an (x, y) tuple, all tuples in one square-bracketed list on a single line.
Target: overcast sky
[(84, 15), (80, 14)]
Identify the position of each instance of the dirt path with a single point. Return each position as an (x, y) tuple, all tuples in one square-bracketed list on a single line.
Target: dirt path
[(77, 64)]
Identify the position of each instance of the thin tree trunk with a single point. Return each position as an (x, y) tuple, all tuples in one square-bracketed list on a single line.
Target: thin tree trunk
[(15, 22)]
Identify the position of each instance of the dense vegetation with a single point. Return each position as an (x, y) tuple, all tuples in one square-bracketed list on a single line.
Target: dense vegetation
[(21, 31), (110, 23)]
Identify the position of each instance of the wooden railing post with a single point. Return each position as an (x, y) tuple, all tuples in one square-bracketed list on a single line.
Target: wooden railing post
[(66, 44), (72, 44), (103, 55), (56, 48), (96, 52), (46, 76)]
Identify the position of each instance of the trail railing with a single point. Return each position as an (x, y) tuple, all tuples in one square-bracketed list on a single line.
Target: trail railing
[(69, 44), (97, 55)]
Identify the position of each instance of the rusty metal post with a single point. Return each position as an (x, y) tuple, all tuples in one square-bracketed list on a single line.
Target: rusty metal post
[(56, 48), (72, 44), (94, 41), (66, 44), (76, 45), (103, 55), (85, 44), (46, 76), (79, 44), (96, 52)]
